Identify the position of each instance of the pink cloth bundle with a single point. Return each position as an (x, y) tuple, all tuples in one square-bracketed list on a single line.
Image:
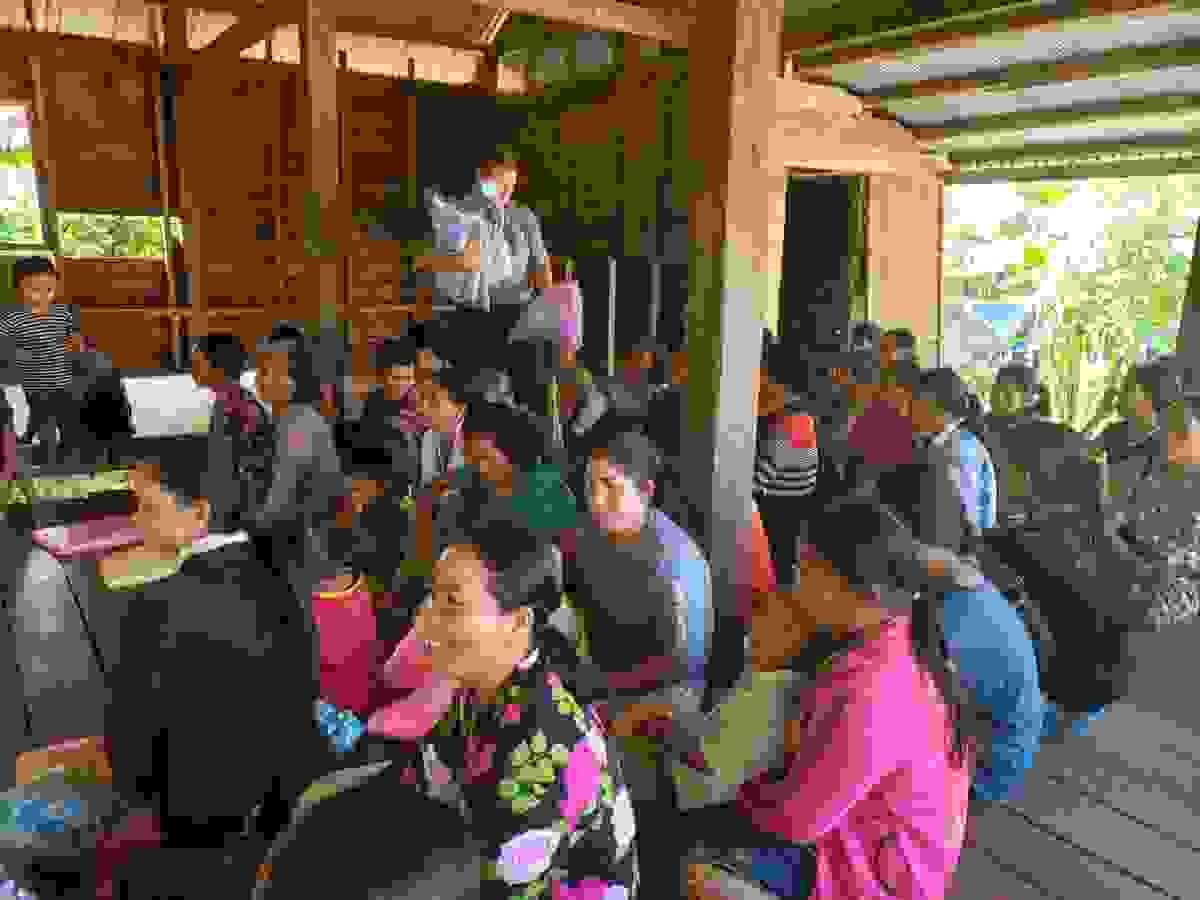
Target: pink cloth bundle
[(90, 537), (430, 694)]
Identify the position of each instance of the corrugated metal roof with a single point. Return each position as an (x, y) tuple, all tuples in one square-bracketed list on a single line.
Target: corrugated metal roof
[(1071, 39), (920, 111)]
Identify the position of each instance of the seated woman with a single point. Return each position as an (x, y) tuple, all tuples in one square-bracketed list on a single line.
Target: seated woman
[(240, 438), (994, 651), (871, 798), (515, 754), (306, 481), (214, 674)]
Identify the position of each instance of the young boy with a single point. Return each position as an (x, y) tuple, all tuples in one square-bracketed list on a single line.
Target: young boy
[(37, 336)]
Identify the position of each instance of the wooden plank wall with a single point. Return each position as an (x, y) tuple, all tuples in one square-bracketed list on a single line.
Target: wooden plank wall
[(242, 144), (903, 271)]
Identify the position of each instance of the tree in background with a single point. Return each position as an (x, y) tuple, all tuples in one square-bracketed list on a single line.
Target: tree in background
[(1104, 318), (97, 234), (1097, 318)]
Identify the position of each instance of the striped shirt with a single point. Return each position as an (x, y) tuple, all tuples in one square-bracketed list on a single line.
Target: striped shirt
[(41, 360), (786, 461)]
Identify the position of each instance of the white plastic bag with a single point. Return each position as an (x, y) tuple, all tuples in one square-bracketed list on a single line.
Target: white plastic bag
[(452, 229)]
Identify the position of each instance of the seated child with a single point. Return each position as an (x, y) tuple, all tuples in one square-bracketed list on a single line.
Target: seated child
[(215, 674), (240, 436), (870, 799)]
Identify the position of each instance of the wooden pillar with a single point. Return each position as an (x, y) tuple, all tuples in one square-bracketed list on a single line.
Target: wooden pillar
[(163, 84), (487, 72), (1188, 350), (325, 237), (41, 74), (655, 311), (737, 207)]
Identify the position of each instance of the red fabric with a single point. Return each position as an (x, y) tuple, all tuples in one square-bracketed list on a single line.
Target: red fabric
[(758, 572), (8, 454), (349, 649), (798, 428), (113, 848)]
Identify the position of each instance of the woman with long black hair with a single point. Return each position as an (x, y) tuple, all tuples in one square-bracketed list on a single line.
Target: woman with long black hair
[(878, 743)]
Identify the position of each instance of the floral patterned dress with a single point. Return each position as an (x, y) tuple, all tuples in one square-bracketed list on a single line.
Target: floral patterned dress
[(531, 773)]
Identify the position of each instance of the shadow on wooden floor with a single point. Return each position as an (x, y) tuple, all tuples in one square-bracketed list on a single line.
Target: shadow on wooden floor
[(1115, 813)]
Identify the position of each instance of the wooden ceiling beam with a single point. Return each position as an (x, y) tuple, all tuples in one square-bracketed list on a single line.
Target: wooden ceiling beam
[(498, 20), (249, 29), (815, 51)]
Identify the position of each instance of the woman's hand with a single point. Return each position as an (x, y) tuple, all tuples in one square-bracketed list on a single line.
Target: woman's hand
[(639, 714)]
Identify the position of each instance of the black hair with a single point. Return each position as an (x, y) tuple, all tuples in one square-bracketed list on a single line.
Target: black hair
[(522, 563), (903, 338), (224, 353), (872, 547), (949, 390), (396, 351), (458, 383), (864, 332), (183, 475), (302, 368), (515, 433), (362, 460), (27, 266), (1160, 381), (635, 453), (434, 861), (286, 331)]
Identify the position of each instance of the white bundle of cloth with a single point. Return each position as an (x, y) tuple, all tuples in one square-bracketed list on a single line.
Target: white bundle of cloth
[(453, 228)]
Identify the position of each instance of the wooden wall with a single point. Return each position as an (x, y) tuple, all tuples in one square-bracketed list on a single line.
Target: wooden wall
[(242, 143), (904, 245)]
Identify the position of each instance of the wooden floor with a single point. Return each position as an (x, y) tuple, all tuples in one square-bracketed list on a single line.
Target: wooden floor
[(1115, 813)]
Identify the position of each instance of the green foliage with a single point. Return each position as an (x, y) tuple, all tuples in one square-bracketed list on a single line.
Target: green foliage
[(1098, 320), (105, 234), (22, 223)]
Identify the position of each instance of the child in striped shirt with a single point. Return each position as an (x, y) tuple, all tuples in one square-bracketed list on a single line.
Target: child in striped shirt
[(38, 335), (785, 471)]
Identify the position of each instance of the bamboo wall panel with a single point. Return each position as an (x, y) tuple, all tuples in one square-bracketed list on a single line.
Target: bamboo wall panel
[(903, 243), (133, 338), (100, 107), (114, 282), (375, 271)]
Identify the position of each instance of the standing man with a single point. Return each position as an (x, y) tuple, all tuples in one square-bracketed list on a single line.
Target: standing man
[(38, 335)]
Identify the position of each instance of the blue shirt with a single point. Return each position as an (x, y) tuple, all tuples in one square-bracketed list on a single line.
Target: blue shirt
[(977, 481), (684, 566), (991, 646)]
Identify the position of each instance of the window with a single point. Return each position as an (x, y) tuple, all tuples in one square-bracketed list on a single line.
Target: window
[(20, 218), (112, 234)]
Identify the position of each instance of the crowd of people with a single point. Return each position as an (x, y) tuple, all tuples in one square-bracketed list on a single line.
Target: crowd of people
[(511, 614)]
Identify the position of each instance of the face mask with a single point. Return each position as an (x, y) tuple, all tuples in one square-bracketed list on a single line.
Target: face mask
[(489, 189)]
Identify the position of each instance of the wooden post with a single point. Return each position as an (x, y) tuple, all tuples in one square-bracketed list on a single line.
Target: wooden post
[(325, 235), (612, 316), (737, 208), (655, 298), (347, 192), (487, 72), (41, 74), (163, 153), (1188, 350)]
